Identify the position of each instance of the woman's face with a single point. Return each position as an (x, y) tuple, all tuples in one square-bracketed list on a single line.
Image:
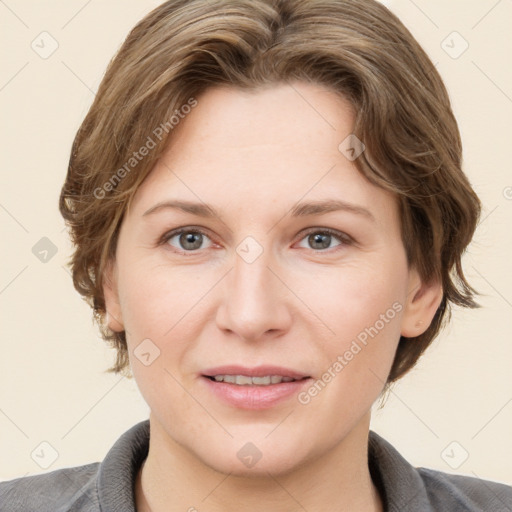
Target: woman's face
[(255, 242)]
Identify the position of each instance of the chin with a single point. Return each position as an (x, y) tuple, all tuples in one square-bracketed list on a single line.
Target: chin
[(279, 465), (253, 459)]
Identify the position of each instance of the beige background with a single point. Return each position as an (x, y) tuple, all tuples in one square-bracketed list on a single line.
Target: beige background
[(456, 403)]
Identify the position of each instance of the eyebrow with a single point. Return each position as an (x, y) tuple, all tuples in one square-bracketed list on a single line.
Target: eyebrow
[(299, 210), (332, 205)]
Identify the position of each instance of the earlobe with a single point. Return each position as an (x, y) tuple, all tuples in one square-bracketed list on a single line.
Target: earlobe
[(113, 317), (423, 300)]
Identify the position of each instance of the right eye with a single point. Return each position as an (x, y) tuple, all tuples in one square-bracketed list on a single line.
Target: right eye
[(186, 240)]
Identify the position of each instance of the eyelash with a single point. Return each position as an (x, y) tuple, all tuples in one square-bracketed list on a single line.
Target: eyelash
[(343, 238)]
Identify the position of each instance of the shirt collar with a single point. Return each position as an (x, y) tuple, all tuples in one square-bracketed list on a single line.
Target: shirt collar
[(118, 471), (399, 483)]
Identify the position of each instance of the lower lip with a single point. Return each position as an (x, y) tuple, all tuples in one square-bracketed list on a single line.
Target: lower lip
[(255, 397)]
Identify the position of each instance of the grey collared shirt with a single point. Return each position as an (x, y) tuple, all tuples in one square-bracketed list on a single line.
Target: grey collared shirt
[(109, 486)]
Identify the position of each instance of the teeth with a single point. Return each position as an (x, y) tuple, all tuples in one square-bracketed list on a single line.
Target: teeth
[(244, 380), (263, 380)]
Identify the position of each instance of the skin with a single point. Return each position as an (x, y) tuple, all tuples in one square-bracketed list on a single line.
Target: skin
[(300, 304)]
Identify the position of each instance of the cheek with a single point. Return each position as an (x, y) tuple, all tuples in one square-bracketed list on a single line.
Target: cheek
[(156, 298), (168, 306), (351, 298), (362, 308), (163, 305)]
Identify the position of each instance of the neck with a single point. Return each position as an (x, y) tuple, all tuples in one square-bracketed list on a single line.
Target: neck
[(173, 478)]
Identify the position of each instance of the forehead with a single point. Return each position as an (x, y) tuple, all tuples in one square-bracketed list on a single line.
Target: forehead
[(291, 117), (264, 148)]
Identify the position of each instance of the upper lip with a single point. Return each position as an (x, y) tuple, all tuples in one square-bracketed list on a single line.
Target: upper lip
[(257, 371)]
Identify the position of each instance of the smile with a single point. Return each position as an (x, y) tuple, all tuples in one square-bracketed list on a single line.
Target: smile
[(254, 393), (244, 380)]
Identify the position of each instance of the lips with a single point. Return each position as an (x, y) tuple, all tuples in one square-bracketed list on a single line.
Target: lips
[(247, 388)]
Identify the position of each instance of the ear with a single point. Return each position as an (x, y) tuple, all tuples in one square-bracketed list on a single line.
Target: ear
[(114, 317), (423, 300)]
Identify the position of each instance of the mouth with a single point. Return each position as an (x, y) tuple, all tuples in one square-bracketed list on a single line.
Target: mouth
[(246, 380), (254, 388)]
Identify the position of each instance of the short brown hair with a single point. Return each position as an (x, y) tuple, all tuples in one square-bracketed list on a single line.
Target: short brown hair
[(357, 48)]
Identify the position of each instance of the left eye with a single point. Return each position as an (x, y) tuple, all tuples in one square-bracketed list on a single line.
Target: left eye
[(320, 240)]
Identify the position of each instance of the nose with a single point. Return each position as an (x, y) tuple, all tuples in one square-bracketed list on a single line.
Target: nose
[(254, 303)]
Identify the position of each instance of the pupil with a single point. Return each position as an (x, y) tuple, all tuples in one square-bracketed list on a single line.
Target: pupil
[(324, 240), (191, 240)]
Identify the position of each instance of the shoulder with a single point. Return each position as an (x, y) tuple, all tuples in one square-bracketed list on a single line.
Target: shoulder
[(56, 491), (90, 488), (410, 488), (459, 492)]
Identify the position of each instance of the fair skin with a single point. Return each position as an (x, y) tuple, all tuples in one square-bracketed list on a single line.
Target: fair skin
[(300, 304)]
